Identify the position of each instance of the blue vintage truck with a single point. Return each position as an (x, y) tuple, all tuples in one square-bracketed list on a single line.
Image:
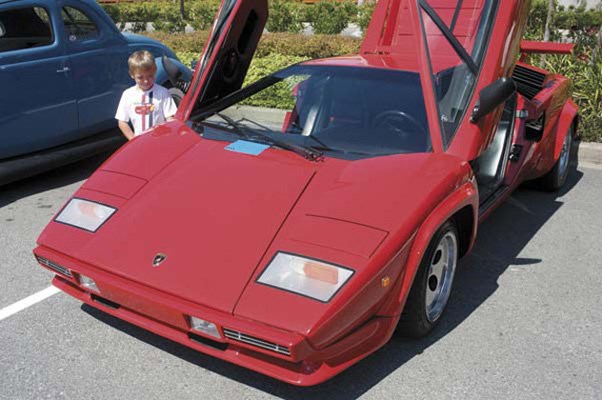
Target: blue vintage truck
[(63, 67)]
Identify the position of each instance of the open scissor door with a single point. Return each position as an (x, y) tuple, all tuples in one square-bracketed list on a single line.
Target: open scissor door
[(227, 54)]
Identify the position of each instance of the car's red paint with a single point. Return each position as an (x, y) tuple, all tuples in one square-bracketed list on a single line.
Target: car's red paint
[(222, 216), (529, 46)]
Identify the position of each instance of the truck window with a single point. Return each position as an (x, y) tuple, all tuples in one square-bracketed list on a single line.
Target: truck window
[(25, 28)]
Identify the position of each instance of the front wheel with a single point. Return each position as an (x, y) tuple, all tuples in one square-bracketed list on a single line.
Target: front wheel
[(432, 285)]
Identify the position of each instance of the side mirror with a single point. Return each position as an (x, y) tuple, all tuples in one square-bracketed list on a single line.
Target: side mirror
[(491, 97), (171, 69), (2, 29)]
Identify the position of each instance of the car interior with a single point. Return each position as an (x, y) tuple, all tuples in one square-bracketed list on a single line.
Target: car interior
[(344, 111), (490, 166), (22, 29)]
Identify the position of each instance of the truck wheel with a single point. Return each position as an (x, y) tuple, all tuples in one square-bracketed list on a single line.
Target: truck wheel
[(556, 178), (432, 284)]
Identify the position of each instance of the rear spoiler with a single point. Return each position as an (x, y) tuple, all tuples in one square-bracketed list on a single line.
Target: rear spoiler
[(527, 46)]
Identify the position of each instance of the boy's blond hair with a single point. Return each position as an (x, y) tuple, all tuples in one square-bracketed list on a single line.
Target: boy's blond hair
[(141, 60)]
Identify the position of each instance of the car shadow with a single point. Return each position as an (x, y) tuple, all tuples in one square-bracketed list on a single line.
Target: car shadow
[(501, 239), (53, 179)]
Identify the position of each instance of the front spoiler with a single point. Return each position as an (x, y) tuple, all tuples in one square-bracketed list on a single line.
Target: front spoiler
[(166, 316)]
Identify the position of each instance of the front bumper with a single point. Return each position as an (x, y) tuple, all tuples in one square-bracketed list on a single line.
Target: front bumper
[(257, 347)]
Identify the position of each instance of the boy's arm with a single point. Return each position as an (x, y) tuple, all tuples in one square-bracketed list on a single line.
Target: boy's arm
[(126, 130), (122, 117), (169, 108)]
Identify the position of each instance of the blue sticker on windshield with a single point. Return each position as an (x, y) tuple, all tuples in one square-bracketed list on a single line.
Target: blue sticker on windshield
[(245, 147)]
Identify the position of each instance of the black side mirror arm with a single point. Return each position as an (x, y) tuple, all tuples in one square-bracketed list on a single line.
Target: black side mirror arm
[(491, 97)]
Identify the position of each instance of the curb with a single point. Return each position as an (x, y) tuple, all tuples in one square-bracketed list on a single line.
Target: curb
[(589, 153)]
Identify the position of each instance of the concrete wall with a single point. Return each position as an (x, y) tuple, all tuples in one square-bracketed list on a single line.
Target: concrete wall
[(590, 3)]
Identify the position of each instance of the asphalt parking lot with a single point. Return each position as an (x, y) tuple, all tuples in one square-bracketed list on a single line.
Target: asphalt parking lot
[(524, 322)]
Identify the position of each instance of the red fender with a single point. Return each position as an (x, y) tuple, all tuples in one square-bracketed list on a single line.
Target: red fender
[(465, 195), (567, 116)]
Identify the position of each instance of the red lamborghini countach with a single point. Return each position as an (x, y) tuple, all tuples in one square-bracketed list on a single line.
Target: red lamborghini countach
[(293, 225)]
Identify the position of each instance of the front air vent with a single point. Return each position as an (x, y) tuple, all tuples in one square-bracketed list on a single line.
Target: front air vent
[(253, 341), (528, 82), (54, 266)]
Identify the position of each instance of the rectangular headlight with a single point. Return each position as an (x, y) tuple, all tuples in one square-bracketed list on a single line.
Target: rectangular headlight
[(85, 214), (312, 278)]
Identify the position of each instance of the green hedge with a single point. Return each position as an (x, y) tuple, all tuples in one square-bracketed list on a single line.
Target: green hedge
[(314, 46), (327, 17)]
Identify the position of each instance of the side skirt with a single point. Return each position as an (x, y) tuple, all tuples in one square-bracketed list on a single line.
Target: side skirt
[(21, 167)]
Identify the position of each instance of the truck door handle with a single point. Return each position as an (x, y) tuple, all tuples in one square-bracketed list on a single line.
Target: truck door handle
[(65, 69)]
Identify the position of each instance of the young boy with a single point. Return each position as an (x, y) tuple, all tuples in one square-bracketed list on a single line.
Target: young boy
[(144, 104)]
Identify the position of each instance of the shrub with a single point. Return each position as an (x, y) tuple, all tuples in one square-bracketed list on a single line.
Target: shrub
[(188, 57), (202, 14), (189, 42), (329, 17), (275, 96), (169, 20), (584, 68), (284, 16), (365, 15), (586, 74), (315, 46)]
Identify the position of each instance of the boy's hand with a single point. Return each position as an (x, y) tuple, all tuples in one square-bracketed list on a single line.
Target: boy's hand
[(126, 130)]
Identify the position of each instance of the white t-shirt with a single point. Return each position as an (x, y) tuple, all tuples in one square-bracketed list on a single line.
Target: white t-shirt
[(145, 109)]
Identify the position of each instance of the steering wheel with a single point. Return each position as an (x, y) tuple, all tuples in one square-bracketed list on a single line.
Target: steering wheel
[(403, 125)]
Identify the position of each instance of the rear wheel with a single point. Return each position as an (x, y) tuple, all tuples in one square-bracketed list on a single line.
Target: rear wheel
[(556, 178), (432, 285)]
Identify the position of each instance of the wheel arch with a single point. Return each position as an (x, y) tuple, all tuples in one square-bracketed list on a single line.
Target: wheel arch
[(466, 223), (569, 116), (462, 207)]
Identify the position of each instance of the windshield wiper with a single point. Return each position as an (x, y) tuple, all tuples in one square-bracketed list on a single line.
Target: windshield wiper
[(306, 152), (323, 145), (237, 128)]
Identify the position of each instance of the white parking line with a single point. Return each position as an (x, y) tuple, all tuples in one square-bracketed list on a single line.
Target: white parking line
[(27, 302)]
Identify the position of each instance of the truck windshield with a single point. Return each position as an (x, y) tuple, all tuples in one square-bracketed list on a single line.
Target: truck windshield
[(346, 112)]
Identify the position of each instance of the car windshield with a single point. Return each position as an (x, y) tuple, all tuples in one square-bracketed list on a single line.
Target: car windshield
[(344, 112)]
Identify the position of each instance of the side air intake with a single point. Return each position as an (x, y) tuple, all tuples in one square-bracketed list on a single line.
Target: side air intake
[(528, 82)]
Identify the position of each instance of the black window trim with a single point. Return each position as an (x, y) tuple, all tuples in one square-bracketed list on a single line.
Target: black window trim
[(457, 46), (487, 35), (452, 26)]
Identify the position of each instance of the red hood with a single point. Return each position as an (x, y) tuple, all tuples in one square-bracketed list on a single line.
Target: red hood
[(212, 212), (217, 214)]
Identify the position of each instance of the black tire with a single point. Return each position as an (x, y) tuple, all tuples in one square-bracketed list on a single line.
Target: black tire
[(419, 318), (555, 179), (176, 95)]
